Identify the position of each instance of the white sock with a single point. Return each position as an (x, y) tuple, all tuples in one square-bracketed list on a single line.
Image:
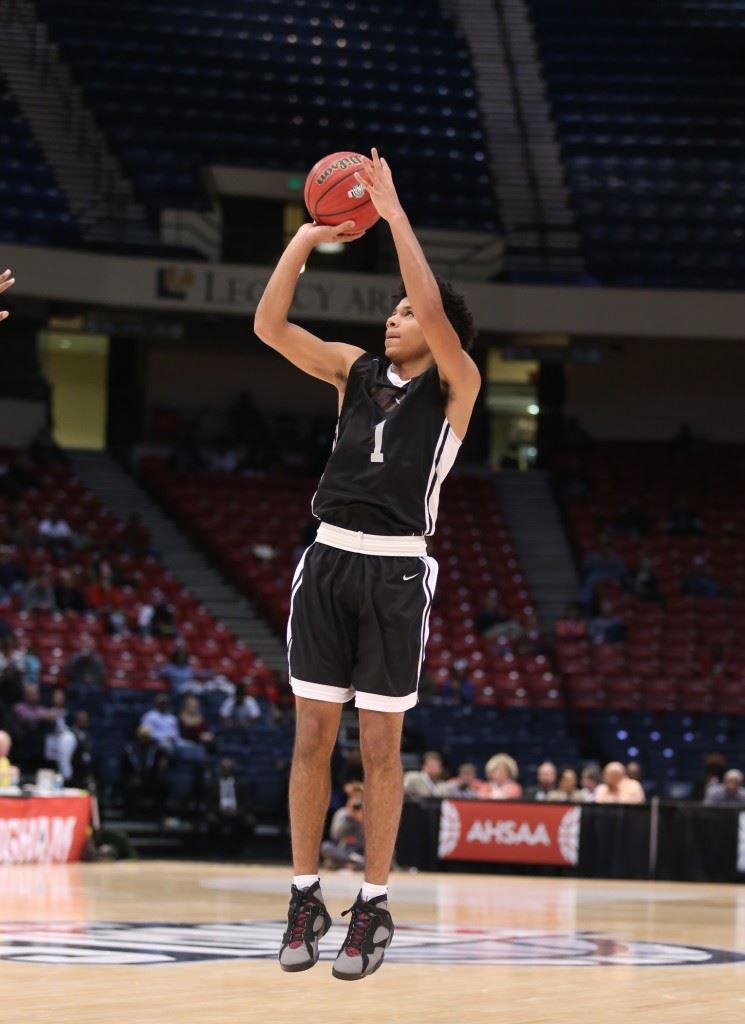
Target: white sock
[(370, 891), (304, 881)]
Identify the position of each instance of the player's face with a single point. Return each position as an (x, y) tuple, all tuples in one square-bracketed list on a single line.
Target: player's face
[(404, 339)]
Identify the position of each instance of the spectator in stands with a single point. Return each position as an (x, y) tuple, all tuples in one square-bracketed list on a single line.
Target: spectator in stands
[(101, 592), (143, 775), (546, 776), (428, 781), (634, 771), (8, 772), (162, 724), (86, 670), (31, 723), (730, 791), (241, 710), (192, 723), (11, 655), (458, 688), (715, 765), (600, 566), (644, 583), (38, 595), (11, 690), (83, 772), (631, 520), (493, 620), (163, 621), (345, 847), (567, 790), (68, 596), (180, 674), (501, 779), (607, 627), (227, 807), (700, 582), (55, 532), (617, 787), (31, 665), (682, 522), (589, 780), (466, 785), (573, 624), (13, 574), (59, 741)]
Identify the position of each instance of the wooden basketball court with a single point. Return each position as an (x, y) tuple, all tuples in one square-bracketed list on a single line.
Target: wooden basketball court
[(196, 943)]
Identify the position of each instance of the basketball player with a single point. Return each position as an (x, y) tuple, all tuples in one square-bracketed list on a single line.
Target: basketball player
[(6, 281), (362, 592)]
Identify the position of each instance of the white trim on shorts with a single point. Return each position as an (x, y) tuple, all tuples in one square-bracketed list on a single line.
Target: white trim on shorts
[(320, 691), (370, 543)]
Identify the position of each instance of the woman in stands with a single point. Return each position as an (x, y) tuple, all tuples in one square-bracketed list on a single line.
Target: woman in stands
[(6, 281), (362, 592)]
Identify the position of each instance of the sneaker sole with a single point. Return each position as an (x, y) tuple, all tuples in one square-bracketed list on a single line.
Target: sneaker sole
[(295, 968)]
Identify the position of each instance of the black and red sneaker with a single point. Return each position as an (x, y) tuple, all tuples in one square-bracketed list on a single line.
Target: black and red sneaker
[(369, 936), (307, 923)]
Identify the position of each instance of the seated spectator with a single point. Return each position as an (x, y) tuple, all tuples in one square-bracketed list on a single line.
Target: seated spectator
[(715, 765), (163, 621), (700, 582), (31, 723), (634, 771), (458, 688), (546, 776), (68, 596), (682, 522), (86, 670), (11, 689), (589, 780), (228, 810), (345, 847), (241, 710), (180, 674), (161, 723), (600, 566), (55, 531), (493, 620), (38, 594), (101, 591), (143, 775), (192, 723), (9, 774), (59, 742), (617, 787), (567, 790), (729, 792), (11, 655), (644, 583), (631, 520), (607, 627), (428, 781), (32, 665), (573, 625), (466, 785), (83, 772), (501, 779), (13, 574)]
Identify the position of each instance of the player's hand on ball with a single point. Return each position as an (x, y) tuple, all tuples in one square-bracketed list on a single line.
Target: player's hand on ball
[(344, 232), (378, 181), (5, 282)]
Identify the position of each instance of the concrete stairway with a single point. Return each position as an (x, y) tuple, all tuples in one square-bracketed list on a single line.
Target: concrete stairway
[(122, 494), (98, 194), (521, 140), (531, 513)]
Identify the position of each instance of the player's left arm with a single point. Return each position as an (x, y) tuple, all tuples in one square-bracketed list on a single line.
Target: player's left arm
[(6, 281), (457, 370)]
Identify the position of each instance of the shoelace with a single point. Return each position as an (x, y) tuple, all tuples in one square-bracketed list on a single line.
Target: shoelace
[(299, 921), (359, 924)]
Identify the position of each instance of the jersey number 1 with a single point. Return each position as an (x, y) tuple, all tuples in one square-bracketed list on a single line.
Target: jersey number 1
[(377, 452)]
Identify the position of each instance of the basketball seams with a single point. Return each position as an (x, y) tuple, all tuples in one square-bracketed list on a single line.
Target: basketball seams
[(335, 183)]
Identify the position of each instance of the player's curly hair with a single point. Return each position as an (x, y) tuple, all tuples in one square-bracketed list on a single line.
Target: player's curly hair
[(456, 311)]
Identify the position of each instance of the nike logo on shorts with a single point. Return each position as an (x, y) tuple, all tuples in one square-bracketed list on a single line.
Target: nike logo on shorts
[(411, 577)]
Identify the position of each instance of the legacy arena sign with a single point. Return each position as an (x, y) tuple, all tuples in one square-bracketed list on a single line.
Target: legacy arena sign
[(112, 944)]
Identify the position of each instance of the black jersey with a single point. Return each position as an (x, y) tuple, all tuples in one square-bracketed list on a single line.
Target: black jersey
[(393, 448)]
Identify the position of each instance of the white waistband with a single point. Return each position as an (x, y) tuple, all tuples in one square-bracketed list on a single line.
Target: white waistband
[(369, 543)]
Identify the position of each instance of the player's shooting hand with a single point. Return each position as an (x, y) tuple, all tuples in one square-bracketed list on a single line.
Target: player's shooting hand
[(6, 281), (378, 181), (317, 233)]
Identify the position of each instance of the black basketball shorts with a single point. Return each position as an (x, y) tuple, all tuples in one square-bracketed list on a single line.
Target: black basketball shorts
[(359, 619)]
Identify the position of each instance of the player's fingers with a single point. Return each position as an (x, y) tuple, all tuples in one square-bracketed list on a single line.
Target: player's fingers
[(5, 284), (375, 157), (363, 179), (3, 314), (5, 274)]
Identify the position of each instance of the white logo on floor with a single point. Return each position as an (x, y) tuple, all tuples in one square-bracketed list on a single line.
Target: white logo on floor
[(108, 944)]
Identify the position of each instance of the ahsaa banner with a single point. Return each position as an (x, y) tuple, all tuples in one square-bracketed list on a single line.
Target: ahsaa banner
[(509, 833), (43, 830)]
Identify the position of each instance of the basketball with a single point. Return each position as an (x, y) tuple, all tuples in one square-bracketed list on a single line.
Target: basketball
[(333, 195)]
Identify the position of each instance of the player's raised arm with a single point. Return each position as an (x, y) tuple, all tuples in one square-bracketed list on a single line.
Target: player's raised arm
[(329, 361), (454, 365), (6, 281)]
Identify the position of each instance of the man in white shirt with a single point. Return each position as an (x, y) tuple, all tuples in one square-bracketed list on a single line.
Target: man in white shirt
[(161, 723), (241, 710)]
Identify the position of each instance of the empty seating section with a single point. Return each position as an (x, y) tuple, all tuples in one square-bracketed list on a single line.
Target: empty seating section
[(253, 527), (649, 100), (34, 210), (682, 653), (179, 85)]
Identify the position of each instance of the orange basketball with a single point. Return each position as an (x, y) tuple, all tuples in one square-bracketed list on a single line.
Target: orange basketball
[(333, 195)]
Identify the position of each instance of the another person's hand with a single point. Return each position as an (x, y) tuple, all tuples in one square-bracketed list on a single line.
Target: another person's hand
[(318, 233), (6, 281), (378, 181)]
